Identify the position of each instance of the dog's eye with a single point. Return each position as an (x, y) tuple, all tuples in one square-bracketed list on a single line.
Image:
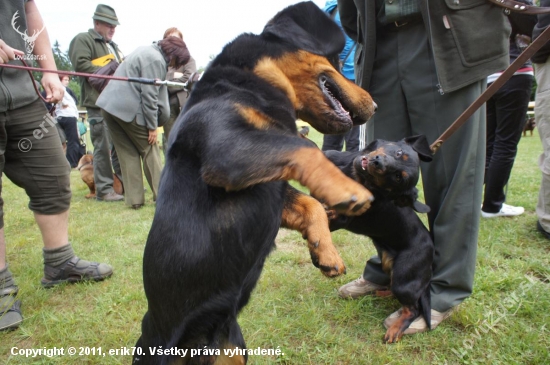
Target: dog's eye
[(399, 153), (398, 177)]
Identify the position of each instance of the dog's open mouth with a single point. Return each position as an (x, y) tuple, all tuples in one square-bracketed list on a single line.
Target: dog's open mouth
[(374, 165), (334, 99)]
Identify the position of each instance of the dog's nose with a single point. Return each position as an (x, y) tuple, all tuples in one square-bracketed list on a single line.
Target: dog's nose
[(378, 161), (375, 106)]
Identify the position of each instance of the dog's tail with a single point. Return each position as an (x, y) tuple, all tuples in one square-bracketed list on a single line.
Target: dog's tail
[(426, 307)]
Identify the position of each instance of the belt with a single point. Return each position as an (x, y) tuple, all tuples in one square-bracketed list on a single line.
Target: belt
[(401, 24)]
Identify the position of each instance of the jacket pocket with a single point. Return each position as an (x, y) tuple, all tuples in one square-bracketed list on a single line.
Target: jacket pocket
[(473, 24)]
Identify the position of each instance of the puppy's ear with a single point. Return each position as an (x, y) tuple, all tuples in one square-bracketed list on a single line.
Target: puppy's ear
[(372, 146), (307, 27), (420, 144), (421, 207), (410, 199), (407, 198)]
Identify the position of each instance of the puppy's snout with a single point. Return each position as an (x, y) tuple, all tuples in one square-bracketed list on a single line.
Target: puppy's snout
[(374, 106), (378, 162)]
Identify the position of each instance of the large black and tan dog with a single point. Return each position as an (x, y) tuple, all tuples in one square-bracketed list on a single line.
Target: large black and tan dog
[(224, 194), (390, 170)]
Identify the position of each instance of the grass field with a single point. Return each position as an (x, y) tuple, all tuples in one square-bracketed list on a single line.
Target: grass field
[(294, 309)]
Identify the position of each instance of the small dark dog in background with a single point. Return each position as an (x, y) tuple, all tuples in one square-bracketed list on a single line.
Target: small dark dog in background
[(529, 126), (390, 170)]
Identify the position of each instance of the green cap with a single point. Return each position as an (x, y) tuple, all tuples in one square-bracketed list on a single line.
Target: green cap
[(105, 14)]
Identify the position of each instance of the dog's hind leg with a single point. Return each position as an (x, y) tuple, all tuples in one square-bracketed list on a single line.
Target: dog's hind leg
[(396, 330), (233, 350), (306, 215), (412, 291)]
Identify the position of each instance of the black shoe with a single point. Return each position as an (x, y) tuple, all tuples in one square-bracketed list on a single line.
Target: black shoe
[(543, 231)]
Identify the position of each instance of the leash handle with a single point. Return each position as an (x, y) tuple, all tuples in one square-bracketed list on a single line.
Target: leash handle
[(36, 88), (493, 88)]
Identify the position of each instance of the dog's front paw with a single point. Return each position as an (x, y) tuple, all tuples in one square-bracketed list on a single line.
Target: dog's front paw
[(330, 263), (331, 213), (355, 200), (324, 255)]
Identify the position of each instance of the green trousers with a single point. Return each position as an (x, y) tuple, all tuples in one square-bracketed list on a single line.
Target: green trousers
[(405, 87), (133, 149)]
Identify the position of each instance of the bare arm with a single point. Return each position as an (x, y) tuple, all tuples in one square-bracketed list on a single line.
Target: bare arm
[(43, 49)]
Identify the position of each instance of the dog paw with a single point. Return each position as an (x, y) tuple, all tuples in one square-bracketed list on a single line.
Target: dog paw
[(392, 335), (327, 260), (331, 213), (354, 203)]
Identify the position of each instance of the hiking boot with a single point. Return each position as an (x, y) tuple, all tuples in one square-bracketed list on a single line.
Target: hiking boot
[(505, 211), (111, 197), (358, 288), (75, 270), (10, 309), (419, 324)]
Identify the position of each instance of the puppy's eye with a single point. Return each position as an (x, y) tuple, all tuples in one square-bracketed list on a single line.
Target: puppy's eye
[(399, 153), (398, 177)]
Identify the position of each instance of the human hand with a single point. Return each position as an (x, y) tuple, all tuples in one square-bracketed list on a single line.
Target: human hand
[(7, 53), (152, 137), (53, 87)]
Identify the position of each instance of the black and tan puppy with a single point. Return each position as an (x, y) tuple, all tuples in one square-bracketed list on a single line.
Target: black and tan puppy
[(390, 170), (224, 194)]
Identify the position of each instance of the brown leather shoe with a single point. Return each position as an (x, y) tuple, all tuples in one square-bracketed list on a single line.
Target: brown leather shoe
[(111, 197), (358, 288)]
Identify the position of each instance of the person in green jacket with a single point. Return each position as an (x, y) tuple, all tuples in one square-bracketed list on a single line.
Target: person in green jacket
[(424, 62), (88, 52)]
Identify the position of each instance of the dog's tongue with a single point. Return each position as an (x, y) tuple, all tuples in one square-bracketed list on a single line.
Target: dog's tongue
[(364, 162)]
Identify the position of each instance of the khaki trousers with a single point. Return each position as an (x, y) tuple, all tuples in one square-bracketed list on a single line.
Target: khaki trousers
[(133, 149)]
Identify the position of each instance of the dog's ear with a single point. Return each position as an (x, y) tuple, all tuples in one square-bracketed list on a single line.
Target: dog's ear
[(410, 199), (372, 146), (420, 144), (307, 27), (421, 207)]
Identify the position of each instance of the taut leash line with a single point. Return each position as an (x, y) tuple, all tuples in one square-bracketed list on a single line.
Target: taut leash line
[(140, 80)]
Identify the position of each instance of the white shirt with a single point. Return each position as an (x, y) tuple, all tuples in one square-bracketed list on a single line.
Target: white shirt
[(66, 107)]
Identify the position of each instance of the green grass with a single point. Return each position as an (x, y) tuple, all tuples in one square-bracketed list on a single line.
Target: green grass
[(294, 307)]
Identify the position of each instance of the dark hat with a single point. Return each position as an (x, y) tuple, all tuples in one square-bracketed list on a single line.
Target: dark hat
[(105, 14)]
